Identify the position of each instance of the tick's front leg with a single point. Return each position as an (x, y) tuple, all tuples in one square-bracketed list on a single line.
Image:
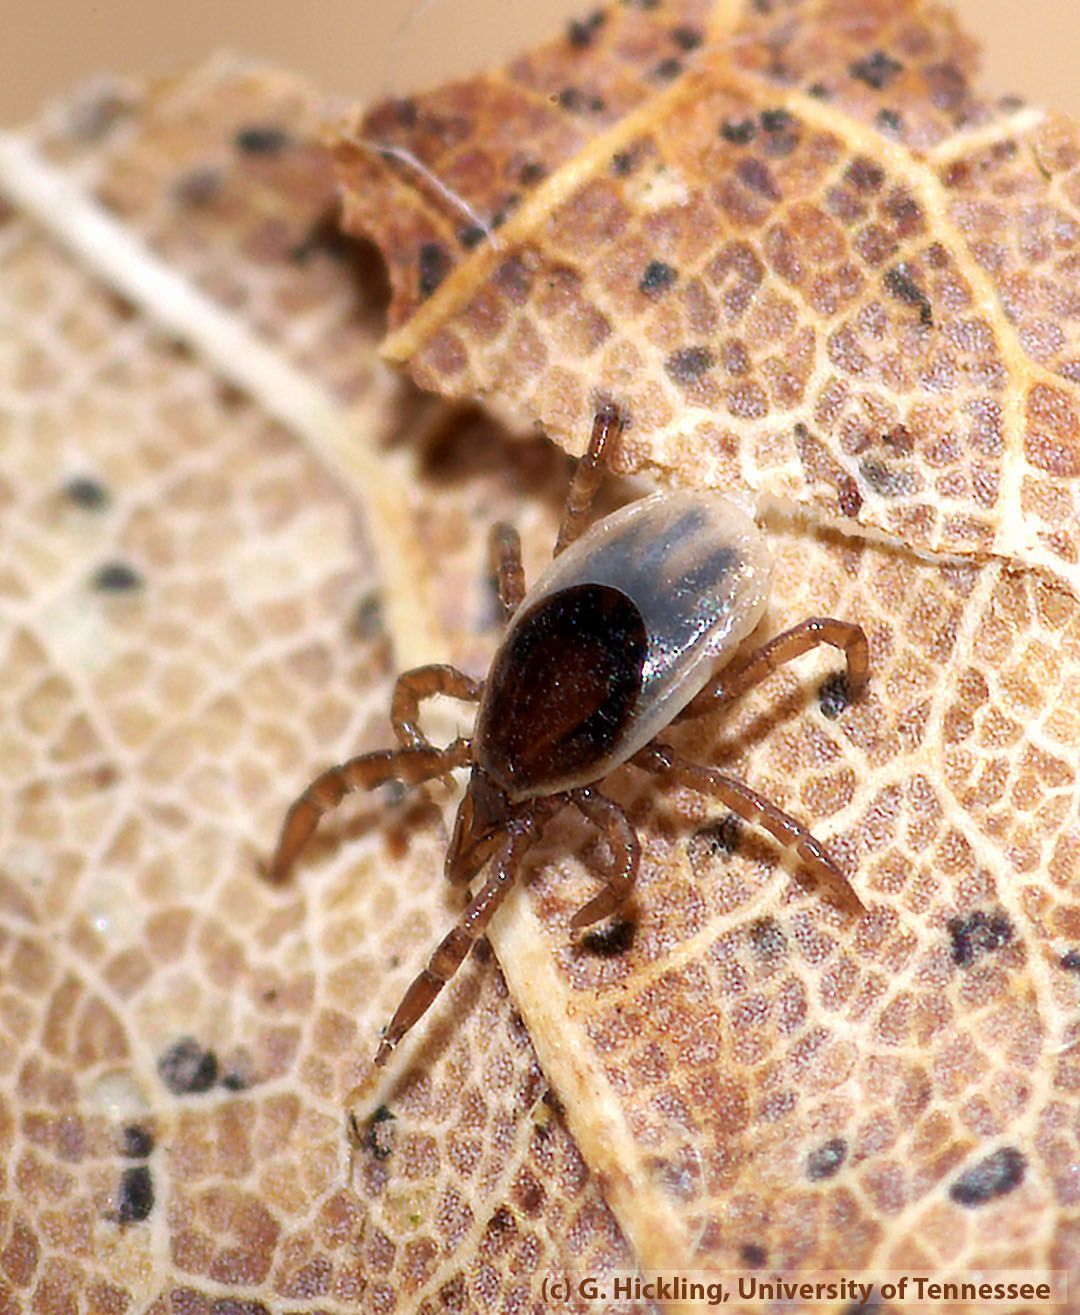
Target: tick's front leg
[(412, 687), (410, 766), (589, 475), (504, 547)]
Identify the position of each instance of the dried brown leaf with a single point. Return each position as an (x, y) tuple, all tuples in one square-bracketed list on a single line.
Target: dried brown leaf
[(752, 1077), (193, 621), (818, 267), (788, 294)]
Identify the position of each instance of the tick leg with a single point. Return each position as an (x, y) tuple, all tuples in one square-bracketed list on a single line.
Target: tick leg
[(750, 806), (505, 549), (589, 475), (421, 683), (451, 951), (410, 766), (606, 815), (738, 678)]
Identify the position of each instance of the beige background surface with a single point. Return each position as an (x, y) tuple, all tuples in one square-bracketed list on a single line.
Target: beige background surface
[(356, 47)]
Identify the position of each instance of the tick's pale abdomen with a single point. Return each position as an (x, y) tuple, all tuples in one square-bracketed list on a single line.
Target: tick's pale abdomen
[(616, 638)]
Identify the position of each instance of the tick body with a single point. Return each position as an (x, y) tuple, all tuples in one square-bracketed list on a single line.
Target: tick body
[(632, 627), (616, 637)]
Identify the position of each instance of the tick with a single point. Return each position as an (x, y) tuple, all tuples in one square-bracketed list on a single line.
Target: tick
[(631, 628)]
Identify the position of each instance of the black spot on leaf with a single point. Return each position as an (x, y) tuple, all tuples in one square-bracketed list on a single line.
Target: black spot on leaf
[(687, 38), (531, 173), (719, 837), (781, 132), (87, 493), (668, 69), (611, 941), (368, 617), (903, 287), (994, 1176), (738, 131), (115, 578), (262, 139), (833, 696), (236, 1071), (978, 934), (471, 236), (136, 1195), (186, 1068), (876, 70), (887, 481), (380, 1133), (434, 264), (657, 278), (778, 120), (138, 1143), (826, 1159), (579, 34), (581, 31), (502, 1221)]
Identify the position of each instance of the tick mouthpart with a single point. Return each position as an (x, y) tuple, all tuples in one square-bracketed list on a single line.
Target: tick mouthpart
[(478, 828)]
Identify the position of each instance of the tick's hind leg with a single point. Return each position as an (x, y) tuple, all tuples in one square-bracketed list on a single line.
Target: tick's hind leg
[(412, 687), (606, 815), (410, 766), (589, 475), (504, 547), (750, 806), (737, 678), (452, 949)]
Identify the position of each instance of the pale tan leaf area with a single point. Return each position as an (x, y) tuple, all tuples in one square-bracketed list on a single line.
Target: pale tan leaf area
[(818, 269)]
